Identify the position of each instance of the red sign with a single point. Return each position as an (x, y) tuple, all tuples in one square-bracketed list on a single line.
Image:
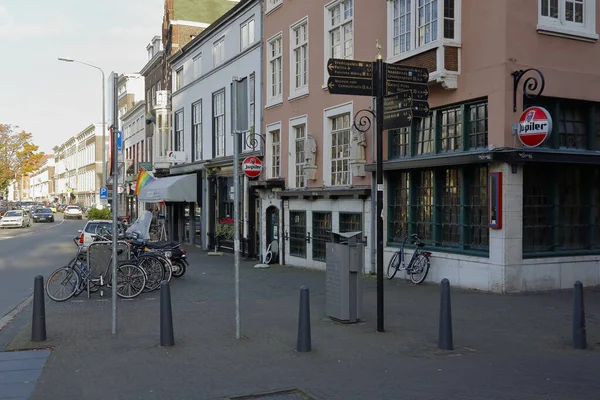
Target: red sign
[(535, 126), (252, 167)]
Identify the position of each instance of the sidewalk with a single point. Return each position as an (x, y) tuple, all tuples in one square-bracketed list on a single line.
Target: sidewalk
[(506, 346)]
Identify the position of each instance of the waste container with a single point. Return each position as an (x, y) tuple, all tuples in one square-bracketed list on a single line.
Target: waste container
[(343, 277)]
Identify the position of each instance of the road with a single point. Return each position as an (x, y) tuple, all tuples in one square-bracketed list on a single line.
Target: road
[(27, 252)]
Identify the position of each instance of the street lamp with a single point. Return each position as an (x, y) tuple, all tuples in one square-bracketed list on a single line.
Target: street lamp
[(70, 59)]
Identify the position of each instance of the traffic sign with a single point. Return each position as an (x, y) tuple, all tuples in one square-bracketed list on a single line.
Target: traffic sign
[(252, 167), (349, 68), (397, 110), (403, 73), (535, 125), (120, 141), (351, 86), (420, 91), (103, 193)]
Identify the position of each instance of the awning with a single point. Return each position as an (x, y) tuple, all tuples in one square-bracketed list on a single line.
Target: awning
[(170, 189)]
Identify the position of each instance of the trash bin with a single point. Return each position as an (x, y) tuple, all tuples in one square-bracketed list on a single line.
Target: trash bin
[(343, 277)]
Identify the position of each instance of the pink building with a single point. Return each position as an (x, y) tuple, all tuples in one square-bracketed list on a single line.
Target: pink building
[(497, 215)]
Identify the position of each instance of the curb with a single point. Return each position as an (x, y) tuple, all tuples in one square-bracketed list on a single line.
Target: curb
[(4, 321)]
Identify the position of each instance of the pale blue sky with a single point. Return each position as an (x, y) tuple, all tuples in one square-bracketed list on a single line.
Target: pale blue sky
[(55, 100)]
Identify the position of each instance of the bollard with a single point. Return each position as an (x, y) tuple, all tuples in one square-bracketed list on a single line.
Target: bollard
[(38, 323), (579, 334), (304, 342), (445, 340), (166, 316)]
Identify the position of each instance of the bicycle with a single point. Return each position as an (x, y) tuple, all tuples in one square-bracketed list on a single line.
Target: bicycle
[(131, 279), (418, 264)]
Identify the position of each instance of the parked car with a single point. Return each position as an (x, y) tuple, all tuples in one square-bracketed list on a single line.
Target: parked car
[(73, 212), (15, 219), (53, 207), (42, 215), (86, 235)]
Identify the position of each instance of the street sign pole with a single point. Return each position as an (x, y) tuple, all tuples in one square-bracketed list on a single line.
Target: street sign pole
[(378, 83), (115, 209)]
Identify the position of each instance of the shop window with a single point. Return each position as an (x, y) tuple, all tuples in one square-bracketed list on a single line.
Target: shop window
[(350, 222), (399, 142), (298, 234), (478, 125), (424, 205), (398, 206), (572, 126), (451, 208), (477, 231), (321, 234), (425, 135), (451, 132)]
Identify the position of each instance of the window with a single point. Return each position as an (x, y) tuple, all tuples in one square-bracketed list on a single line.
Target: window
[(197, 129), (219, 123), (477, 231), (299, 138), (572, 122), (178, 139), (451, 131), (575, 18), (449, 19), (350, 222), (219, 51), (398, 206), (427, 21), (340, 29), (298, 234), (178, 79), (423, 226), (149, 101), (247, 33), (478, 125), (451, 209), (274, 78), (275, 153), (425, 135), (321, 234), (272, 4), (399, 142), (197, 63), (299, 55), (401, 21), (340, 150)]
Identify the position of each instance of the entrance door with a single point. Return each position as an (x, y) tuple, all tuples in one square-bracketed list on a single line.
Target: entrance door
[(272, 225)]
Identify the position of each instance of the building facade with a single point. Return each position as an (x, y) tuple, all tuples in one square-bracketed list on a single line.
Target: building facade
[(311, 145), (78, 168), (134, 147), (42, 181), (153, 78), (498, 215), (202, 114)]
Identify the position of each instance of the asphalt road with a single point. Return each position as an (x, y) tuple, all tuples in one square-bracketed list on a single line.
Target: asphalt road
[(27, 252)]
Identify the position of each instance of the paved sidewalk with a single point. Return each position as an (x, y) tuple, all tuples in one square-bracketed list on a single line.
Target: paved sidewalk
[(507, 346)]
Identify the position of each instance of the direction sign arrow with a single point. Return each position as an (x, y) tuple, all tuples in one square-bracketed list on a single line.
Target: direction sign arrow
[(351, 86), (420, 91), (420, 109), (350, 68), (403, 73), (397, 119)]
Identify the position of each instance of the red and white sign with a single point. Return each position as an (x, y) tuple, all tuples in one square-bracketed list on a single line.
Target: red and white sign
[(252, 167), (535, 126)]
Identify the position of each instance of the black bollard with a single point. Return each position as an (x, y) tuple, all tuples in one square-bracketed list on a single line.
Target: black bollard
[(445, 340), (304, 342), (579, 334), (167, 338), (38, 323)]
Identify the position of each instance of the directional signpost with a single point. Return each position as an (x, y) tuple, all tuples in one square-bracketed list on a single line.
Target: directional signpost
[(401, 94)]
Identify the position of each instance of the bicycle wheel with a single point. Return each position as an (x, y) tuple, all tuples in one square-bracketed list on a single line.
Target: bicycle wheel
[(419, 270), (62, 284), (131, 280), (154, 270), (393, 265), (167, 266)]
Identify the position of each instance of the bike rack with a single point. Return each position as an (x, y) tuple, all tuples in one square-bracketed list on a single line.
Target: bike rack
[(98, 258)]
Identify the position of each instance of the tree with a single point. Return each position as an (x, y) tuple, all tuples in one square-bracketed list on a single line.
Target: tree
[(18, 155)]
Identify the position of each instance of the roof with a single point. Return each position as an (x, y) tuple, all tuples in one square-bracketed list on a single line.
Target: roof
[(207, 11)]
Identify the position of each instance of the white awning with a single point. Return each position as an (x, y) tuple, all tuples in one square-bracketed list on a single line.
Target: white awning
[(170, 189)]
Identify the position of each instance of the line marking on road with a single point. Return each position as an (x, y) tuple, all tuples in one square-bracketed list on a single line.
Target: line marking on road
[(32, 232), (4, 321)]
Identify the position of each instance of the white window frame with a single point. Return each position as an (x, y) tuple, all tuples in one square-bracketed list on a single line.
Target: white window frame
[(292, 162), (277, 98), (327, 142), (415, 48), (327, 36), (272, 5), (561, 27), (197, 66), (247, 27), (302, 90), (275, 126), (216, 135), (178, 81), (197, 130), (218, 51), (178, 130)]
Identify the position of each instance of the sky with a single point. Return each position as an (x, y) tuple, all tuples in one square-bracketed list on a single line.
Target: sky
[(55, 100)]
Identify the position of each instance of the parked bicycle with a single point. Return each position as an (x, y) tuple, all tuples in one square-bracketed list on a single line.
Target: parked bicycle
[(75, 278), (418, 266)]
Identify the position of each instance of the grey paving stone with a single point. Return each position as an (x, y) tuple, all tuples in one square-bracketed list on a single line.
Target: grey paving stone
[(21, 376), (16, 390), (22, 364), (23, 355)]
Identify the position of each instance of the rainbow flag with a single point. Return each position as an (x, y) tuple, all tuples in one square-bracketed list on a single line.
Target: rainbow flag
[(143, 179)]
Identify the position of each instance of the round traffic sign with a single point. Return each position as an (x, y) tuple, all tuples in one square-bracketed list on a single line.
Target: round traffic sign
[(252, 167), (535, 126)]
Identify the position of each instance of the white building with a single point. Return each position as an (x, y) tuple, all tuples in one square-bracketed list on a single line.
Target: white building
[(201, 111), (41, 182), (134, 148), (78, 167)]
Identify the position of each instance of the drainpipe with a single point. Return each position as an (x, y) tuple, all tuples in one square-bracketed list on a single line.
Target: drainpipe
[(372, 247)]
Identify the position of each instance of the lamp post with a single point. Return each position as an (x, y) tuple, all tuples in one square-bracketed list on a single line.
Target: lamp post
[(69, 59)]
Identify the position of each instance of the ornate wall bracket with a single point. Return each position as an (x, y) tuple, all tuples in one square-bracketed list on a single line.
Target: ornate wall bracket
[(532, 87)]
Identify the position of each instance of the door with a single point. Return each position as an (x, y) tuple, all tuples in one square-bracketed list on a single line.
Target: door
[(272, 225)]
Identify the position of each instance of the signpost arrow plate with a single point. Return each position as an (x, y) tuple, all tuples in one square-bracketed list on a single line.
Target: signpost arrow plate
[(350, 68), (397, 110), (402, 73), (420, 91), (351, 86), (420, 109)]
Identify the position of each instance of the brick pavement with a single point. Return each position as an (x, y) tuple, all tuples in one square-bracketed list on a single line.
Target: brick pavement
[(507, 346)]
